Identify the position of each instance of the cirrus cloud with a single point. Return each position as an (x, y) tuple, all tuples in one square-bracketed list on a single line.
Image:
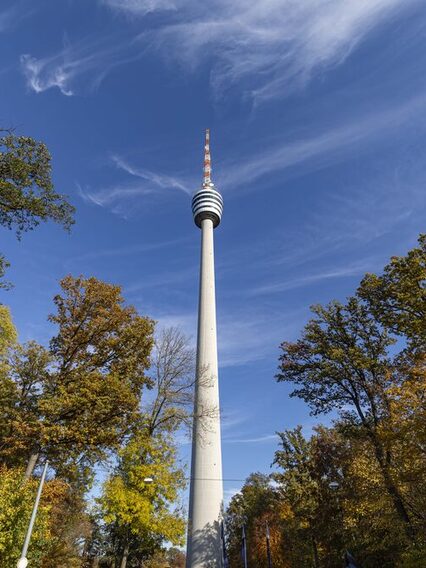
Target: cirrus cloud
[(264, 50)]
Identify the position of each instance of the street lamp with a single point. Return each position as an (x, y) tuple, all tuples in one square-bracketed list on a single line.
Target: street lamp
[(268, 546), (244, 545), (23, 561)]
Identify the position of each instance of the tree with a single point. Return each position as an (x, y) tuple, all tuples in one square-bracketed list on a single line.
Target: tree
[(173, 377), (60, 523), (170, 558), (327, 497), (301, 491), (8, 337), (255, 505), (366, 359), (397, 298), (337, 501), (21, 388), (77, 400), (170, 407), (27, 196), (16, 502), (69, 524), (8, 334), (405, 431), (138, 510), (175, 557), (342, 362)]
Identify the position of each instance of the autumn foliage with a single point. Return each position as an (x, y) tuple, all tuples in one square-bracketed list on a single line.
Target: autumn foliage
[(358, 484)]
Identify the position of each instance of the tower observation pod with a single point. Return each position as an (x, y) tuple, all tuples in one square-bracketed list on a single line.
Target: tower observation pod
[(204, 548)]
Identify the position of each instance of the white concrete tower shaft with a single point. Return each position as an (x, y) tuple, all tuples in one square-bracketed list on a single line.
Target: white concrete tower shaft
[(204, 548)]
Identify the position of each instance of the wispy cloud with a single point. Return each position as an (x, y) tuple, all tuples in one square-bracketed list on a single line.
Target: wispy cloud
[(263, 49), (292, 158), (161, 181), (270, 48), (139, 7), (252, 334), (121, 252), (358, 267), (244, 335), (121, 197), (6, 19), (231, 419), (166, 279), (90, 58), (42, 74), (115, 197), (323, 148), (257, 440), (12, 16)]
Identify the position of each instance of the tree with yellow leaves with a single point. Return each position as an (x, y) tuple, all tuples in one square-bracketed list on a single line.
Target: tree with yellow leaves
[(16, 503), (8, 334), (138, 500), (78, 399)]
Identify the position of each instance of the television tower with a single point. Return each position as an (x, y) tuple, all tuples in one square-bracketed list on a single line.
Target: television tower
[(204, 548)]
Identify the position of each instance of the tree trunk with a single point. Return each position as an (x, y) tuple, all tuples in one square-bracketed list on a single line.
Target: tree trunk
[(31, 465), (123, 563), (391, 487), (315, 551), (398, 503)]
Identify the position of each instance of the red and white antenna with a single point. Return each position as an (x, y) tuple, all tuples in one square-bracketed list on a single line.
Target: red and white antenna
[(207, 161), (207, 202)]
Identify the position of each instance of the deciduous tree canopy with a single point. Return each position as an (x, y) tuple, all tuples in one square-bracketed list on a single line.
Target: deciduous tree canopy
[(138, 498), (358, 485), (76, 400), (27, 195)]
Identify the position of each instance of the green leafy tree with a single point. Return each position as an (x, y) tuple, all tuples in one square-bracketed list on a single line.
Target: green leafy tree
[(360, 484), (397, 298), (327, 497), (60, 524), (342, 362), (21, 388), (143, 514), (16, 502), (301, 492), (27, 196)]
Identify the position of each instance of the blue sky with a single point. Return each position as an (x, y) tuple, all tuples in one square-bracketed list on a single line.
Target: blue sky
[(316, 110)]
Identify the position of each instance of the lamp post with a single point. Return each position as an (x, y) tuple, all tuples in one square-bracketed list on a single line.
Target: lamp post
[(23, 561), (268, 546), (244, 546)]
